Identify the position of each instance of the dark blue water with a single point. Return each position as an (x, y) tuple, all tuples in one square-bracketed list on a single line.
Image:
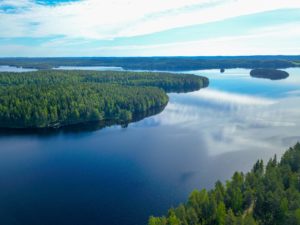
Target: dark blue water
[(122, 175)]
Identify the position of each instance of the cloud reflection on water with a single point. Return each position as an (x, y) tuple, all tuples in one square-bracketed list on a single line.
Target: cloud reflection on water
[(223, 97), (230, 122)]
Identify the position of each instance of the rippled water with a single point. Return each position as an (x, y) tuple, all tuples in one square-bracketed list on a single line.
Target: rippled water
[(122, 175)]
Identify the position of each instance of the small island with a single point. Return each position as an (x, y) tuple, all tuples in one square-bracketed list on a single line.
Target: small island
[(53, 99), (272, 74)]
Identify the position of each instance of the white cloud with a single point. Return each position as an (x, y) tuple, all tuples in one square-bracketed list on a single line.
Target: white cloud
[(100, 19), (260, 42), (271, 41), (232, 98)]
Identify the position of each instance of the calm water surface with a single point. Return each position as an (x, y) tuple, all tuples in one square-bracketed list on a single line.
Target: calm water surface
[(122, 175), (15, 69)]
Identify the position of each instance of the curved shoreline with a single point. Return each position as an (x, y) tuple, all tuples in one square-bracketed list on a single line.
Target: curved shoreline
[(54, 99)]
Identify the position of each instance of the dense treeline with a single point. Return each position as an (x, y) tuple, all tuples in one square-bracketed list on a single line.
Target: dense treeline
[(271, 74), (58, 98), (159, 63), (268, 195), (167, 81)]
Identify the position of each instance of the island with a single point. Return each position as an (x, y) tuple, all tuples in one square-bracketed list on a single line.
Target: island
[(56, 98), (272, 74), (267, 195)]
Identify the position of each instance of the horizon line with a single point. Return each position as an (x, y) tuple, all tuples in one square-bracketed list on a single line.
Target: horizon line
[(154, 56)]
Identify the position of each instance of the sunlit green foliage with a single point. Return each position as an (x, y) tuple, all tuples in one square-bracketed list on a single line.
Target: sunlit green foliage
[(57, 98), (268, 195)]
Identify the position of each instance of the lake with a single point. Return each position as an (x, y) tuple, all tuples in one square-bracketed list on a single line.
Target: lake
[(15, 69), (123, 175)]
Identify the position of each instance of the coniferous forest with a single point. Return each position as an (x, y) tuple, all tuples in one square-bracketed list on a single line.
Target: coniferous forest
[(267, 195), (271, 74), (58, 98), (160, 63)]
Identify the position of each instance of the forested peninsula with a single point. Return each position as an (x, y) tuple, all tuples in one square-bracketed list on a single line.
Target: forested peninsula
[(271, 74), (52, 98), (268, 195)]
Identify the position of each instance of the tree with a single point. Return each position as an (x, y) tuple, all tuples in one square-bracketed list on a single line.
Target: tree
[(230, 218), (264, 197), (221, 214), (157, 221), (47, 98)]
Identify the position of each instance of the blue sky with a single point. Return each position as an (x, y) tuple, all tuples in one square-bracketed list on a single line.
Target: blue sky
[(148, 28)]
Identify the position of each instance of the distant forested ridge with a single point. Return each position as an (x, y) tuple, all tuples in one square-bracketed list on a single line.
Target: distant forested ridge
[(59, 98), (271, 74), (268, 195), (160, 63)]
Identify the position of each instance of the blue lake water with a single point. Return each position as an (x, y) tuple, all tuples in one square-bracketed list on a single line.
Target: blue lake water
[(15, 69), (122, 175)]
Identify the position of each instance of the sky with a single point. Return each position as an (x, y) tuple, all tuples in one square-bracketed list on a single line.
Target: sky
[(47, 28)]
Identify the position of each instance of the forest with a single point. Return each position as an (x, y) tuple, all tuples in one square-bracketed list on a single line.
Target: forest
[(267, 195), (271, 74), (160, 63), (57, 98)]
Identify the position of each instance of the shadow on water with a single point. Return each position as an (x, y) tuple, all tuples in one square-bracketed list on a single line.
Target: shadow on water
[(79, 128)]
